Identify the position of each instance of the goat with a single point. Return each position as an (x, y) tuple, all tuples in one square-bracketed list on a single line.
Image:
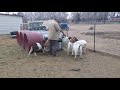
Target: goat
[(91, 28), (77, 49), (70, 44), (34, 48), (83, 43), (65, 41)]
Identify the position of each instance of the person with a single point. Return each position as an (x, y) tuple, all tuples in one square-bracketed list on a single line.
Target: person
[(53, 37), (61, 36)]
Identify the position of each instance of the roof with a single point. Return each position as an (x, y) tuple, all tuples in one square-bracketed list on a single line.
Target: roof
[(11, 15)]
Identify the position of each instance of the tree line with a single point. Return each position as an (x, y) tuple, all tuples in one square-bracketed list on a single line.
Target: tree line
[(75, 17)]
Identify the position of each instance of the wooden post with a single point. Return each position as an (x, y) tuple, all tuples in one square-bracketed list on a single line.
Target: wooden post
[(94, 37), (94, 28)]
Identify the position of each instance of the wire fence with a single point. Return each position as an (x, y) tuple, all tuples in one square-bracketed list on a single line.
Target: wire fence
[(107, 36)]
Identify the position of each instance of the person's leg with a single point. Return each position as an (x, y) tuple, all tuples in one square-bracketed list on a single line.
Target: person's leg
[(54, 47), (60, 45), (50, 46)]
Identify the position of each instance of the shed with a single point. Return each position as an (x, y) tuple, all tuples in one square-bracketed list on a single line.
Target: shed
[(9, 23)]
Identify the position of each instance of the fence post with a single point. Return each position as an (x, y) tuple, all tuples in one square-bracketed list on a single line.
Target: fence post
[(94, 37), (95, 22)]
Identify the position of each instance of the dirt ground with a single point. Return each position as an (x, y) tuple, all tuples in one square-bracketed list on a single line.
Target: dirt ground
[(14, 63)]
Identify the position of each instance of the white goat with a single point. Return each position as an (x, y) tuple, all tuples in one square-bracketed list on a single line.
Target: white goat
[(69, 47), (78, 48), (83, 43)]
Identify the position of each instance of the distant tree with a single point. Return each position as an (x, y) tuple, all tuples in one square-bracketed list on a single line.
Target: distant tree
[(20, 14), (24, 16), (29, 16), (105, 17)]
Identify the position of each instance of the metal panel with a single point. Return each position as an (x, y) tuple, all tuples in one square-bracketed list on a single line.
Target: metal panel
[(9, 23)]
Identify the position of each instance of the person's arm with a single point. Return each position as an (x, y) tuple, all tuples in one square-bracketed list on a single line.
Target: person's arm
[(63, 33), (57, 27), (47, 42)]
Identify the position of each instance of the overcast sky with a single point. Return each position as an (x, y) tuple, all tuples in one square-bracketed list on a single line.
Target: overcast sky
[(9, 12)]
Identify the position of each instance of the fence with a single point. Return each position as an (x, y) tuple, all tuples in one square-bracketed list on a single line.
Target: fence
[(107, 36)]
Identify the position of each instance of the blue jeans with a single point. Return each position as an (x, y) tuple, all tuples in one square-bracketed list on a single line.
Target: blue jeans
[(60, 44), (53, 47)]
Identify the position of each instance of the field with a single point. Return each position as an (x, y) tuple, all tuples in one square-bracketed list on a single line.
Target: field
[(107, 38), (14, 62)]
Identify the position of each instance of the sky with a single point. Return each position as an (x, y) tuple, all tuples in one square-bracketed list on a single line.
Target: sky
[(9, 12)]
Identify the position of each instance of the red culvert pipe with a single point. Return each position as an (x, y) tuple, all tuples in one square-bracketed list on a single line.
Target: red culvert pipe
[(18, 37), (22, 38), (31, 38)]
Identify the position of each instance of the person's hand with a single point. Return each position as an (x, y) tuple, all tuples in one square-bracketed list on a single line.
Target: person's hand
[(46, 43)]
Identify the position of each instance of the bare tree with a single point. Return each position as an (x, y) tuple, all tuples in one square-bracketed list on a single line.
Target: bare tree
[(88, 17), (85, 17)]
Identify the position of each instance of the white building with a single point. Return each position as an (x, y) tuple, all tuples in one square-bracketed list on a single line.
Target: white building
[(9, 23)]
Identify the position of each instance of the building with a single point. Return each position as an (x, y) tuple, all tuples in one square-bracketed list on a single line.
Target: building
[(9, 23)]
